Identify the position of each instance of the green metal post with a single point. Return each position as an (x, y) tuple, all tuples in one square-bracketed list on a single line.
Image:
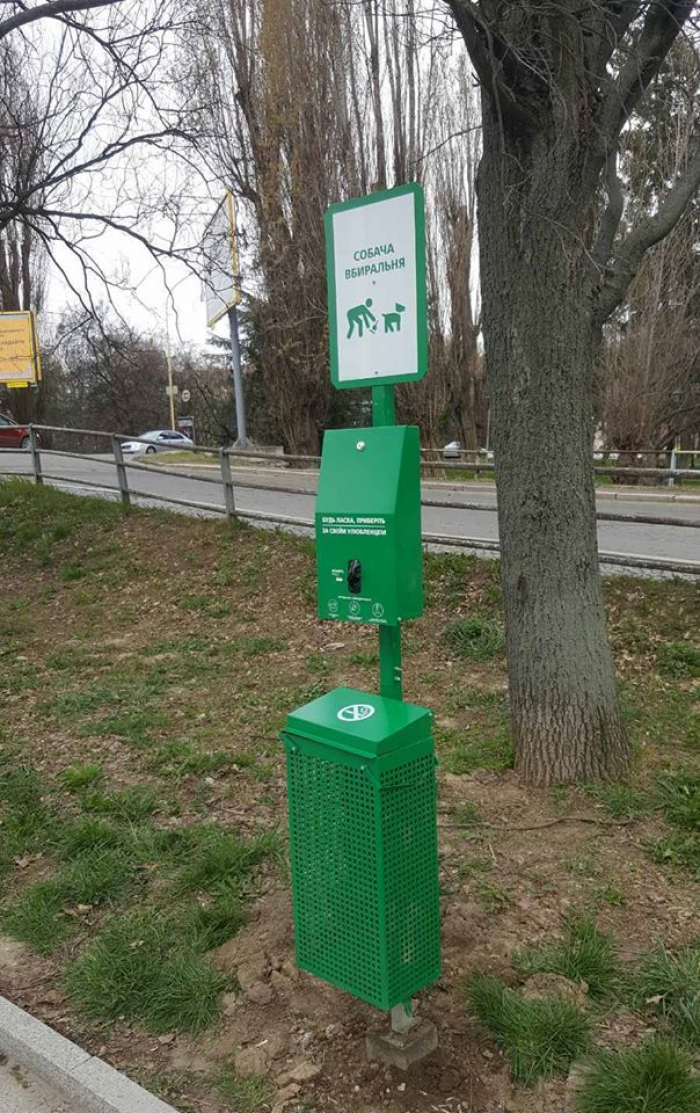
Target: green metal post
[(390, 673), (390, 682), (383, 405)]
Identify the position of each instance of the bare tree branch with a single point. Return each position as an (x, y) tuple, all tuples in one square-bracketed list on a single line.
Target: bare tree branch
[(615, 18), (612, 214), (50, 11), (663, 23), (499, 69), (649, 232)]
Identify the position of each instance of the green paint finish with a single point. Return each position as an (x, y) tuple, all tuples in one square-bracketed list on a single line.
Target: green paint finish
[(368, 526), (390, 666), (383, 405), (363, 840), (369, 726)]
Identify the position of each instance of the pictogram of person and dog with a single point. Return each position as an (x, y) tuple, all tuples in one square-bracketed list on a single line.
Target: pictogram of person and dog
[(361, 319)]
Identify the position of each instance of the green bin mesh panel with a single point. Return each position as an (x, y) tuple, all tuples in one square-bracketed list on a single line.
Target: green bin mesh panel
[(364, 873), (409, 834)]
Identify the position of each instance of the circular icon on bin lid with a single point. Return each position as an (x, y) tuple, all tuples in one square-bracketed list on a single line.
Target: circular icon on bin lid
[(333, 606), (356, 712), (354, 607), (377, 610)]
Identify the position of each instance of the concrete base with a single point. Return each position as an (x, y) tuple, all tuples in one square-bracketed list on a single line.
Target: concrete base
[(402, 1049)]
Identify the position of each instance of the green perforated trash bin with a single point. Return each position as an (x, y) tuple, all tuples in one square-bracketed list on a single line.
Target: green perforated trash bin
[(363, 833)]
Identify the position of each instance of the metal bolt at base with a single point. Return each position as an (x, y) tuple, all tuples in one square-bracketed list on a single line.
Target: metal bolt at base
[(402, 1017)]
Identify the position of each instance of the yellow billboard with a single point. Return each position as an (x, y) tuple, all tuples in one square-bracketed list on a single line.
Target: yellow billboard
[(20, 359)]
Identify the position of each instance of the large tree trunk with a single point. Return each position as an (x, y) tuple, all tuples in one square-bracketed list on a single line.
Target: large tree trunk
[(535, 220)]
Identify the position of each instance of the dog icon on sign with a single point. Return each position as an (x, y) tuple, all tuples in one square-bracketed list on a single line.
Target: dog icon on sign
[(392, 321)]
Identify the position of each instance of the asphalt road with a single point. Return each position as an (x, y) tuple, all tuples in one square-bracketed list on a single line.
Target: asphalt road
[(669, 542)]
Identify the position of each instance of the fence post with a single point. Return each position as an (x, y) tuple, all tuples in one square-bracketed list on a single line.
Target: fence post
[(674, 465), (122, 477), (36, 456), (227, 480)]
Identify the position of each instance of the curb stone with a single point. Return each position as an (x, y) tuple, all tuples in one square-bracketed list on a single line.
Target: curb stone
[(87, 1080)]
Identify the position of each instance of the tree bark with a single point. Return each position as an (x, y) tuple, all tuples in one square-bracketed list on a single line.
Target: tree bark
[(537, 314)]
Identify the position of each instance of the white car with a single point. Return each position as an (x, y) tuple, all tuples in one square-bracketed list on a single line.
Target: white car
[(157, 440), (451, 451)]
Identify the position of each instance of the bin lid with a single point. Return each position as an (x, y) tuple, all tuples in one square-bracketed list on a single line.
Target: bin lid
[(361, 722)]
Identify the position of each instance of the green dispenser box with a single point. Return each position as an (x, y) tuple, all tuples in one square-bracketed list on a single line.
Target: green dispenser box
[(363, 841), (368, 526)]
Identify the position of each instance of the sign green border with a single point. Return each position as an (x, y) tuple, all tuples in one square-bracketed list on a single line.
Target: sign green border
[(416, 190)]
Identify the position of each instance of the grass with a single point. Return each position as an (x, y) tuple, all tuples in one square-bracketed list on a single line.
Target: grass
[(81, 776), (584, 954), (677, 849), (201, 878), (139, 968), (162, 710), (259, 646), (463, 753), (219, 859), (364, 660), (680, 798), (41, 916), (477, 638), (27, 821), (37, 519), (539, 1037), (467, 815), (654, 1078), (669, 986), (245, 1095), (622, 801), (137, 727), (212, 924), (38, 918), (679, 660), (130, 804)]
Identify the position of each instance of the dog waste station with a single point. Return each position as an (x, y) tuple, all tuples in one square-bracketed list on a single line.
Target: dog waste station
[(360, 765)]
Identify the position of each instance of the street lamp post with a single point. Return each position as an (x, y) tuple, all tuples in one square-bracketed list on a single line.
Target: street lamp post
[(169, 362), (239, 398)]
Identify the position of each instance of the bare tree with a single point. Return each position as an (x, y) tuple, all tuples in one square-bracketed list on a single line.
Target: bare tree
[(24, 14), (559, 81), (372, 110), (106, 375), (650, 361), (92, 142), (93, 150)]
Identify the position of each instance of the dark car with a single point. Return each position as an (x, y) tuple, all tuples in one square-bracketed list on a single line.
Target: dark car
[(13, 435)]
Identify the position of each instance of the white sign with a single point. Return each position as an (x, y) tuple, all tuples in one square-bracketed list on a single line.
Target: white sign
[(376, 288), (221, 279), (185, 395), (356, 712)]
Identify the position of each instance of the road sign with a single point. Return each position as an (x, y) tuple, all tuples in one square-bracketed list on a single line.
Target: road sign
[(185, 395), (171, 391), (186, 425), (221, 280), (377, 305), (20, 359)]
